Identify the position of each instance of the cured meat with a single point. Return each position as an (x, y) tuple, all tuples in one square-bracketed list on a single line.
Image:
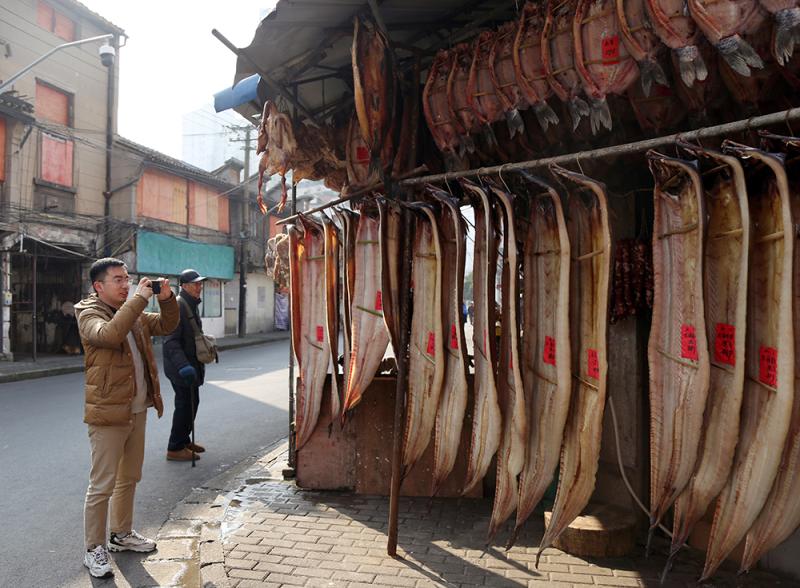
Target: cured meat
[(453, 401), (545, 343), (781, 513), (373, 88), (677, 30), (786, 31), (348, 220), (391, 229), (723, 22), (460, 109), (725, 287), (504, 79), (590, 240), (702, 97), (558, 58), (486, 418), (602, 62), (369, 338), (643, 45), (676, 351), (769, 386), (528, 66), (309, 317), (331, 252), (277, 143), (511, 455), (659, 109), (425, 360), (487, 103), (442, 122), (761, 87)]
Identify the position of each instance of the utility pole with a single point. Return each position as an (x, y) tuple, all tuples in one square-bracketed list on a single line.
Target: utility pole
[(245, 233)]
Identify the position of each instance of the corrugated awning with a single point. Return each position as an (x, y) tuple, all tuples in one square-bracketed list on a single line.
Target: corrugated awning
[(305, 44), (241, 94)]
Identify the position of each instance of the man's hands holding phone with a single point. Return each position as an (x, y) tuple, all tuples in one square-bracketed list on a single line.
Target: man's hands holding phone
[(147, 287)]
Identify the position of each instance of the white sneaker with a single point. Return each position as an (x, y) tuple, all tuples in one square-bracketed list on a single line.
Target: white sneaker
[(98, 562), (132, 541)]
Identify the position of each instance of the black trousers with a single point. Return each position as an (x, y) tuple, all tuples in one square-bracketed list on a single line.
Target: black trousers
[(183, 418)]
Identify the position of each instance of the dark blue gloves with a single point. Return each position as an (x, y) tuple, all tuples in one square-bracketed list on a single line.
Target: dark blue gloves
[(189, 374)]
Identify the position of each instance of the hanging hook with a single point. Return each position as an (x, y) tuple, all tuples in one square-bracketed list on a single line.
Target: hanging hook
[(578, 161), (502, 179)]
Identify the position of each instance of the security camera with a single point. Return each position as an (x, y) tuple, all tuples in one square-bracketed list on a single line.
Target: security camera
[(107, 54)]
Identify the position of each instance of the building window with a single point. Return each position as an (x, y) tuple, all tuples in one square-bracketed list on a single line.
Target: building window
[(53, 105), (56, 160), (54, 21), (212, 299)]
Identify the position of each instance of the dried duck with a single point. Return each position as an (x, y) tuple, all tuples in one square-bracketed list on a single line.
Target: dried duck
[(373, 88), (676, 351), (786, 28), (277, 144), (369, 337), (453, 401), (460, 109), (486, 417), (590, 247), (603, 63), (442, 121), (527, 56), (511, 454), (545, 342), (769, 386), (558, 58), (725, 287), (486, 102), (309, 317), (780, 516), (425, 361)]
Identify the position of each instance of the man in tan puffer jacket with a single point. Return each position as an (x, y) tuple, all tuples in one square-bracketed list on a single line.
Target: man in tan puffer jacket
[(121, 384)]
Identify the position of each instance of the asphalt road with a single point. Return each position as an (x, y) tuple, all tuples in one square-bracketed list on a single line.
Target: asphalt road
[(44, 459)]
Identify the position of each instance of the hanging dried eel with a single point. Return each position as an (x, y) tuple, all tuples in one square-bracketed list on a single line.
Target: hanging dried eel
[(369, 338), (486, 418), (348, 221), (309, 317), (391, 230), (676, 352), (725, 287), (545, 343), (332, 239), (769, 357), (425, 361), (590, 241), (453, 401), (511, 455)]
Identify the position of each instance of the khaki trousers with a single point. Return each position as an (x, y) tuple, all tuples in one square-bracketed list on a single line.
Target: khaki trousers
[(117, 457)]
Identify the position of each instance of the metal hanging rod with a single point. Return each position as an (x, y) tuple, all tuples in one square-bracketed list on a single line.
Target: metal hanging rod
[(626, 148)]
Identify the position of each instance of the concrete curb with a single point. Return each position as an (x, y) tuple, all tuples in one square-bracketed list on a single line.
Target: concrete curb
[(191, 535), (46, 372)]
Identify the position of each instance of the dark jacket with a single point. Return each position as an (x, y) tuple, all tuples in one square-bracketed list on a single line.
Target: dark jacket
[(179, 348), (110, 386)]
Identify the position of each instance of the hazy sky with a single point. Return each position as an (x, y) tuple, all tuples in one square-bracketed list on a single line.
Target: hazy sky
[(172, 64)]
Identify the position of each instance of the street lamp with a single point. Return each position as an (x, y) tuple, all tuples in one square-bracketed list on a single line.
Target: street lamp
[(107, 54)]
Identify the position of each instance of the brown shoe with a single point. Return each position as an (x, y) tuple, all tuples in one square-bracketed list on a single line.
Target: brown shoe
[(197, 448), (184, 454)]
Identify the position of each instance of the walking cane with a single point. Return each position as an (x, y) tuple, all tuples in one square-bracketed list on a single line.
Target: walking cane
[(191, 410)]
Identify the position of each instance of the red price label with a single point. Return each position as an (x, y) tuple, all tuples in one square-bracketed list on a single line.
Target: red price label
[(320, 334), (592, 364), (549, 355), (378, 301), (362, 154), (768, 366), (688, 342), (453, 337), (610, 49), (431, 343), (725, 344)]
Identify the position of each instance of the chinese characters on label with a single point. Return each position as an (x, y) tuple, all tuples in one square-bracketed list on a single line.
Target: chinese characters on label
[(320, 334), (378, 301), (610, 49), (453, 337), (592, 364), (549, 355), (725, 344), (768, 366), (431, 343), (688, 342)]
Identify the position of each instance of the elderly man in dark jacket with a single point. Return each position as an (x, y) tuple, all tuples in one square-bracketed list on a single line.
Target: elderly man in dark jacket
[(184, 370)]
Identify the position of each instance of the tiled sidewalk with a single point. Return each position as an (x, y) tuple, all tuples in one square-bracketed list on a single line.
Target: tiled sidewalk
[(257, 530)]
